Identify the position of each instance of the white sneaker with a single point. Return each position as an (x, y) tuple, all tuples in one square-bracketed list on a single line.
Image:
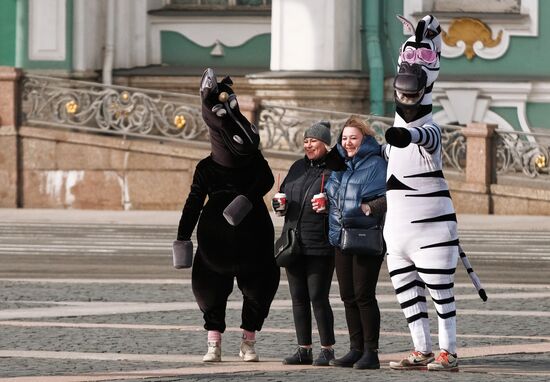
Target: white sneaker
[(247, 351), (214, 353)]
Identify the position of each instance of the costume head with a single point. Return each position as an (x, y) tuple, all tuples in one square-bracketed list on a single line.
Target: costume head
[(320, 131), (418, 68), (233, 138)]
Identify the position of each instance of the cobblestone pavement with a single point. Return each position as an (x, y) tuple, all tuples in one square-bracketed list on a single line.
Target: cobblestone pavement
[(98, 301)]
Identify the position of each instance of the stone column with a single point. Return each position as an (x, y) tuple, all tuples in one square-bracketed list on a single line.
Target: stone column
[(315, 35), (479, 167), (9, 99)]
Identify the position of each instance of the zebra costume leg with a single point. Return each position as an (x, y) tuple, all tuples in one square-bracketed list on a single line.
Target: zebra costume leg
[(433, 268)]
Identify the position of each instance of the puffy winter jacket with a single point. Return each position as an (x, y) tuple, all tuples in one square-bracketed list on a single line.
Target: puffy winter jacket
[(305, 175), (363, 180)]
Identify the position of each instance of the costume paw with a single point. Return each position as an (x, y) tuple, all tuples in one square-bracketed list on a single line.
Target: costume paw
[(398, 137), (182, 254), (236, 211)]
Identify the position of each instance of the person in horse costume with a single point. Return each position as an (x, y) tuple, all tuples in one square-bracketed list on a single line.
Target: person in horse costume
[(235, 232)]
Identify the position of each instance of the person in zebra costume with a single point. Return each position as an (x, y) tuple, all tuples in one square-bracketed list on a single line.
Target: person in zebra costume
[(421, 227)]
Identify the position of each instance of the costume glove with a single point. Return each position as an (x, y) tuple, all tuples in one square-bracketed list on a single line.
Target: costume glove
[(398, 136), (182, 254), (236, 211)]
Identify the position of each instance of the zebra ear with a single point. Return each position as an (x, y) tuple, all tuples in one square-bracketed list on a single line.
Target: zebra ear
[(409, 28)]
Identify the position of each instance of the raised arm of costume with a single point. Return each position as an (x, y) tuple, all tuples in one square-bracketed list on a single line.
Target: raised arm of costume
[(193, 206), (427, 136)]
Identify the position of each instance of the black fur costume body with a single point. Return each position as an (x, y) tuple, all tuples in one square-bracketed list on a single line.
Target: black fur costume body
[(235, 174)]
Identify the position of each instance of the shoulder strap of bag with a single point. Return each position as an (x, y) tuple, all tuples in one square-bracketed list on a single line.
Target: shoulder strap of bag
[(303, 204)]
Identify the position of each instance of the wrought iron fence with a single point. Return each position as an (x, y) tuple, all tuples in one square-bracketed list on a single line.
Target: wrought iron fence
[(128, 111), (283, 129), (522, 153), (114, 109)]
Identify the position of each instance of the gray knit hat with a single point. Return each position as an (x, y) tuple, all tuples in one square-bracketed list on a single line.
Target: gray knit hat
[(319, 130)]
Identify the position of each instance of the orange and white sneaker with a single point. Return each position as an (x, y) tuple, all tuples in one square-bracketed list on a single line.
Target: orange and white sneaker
[(444, 362), (415, 361)]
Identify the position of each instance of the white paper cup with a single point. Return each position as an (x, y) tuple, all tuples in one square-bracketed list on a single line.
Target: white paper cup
[(281, 198), (321, 200)]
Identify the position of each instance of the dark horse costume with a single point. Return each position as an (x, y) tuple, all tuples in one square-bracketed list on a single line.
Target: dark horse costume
[(235, 231)]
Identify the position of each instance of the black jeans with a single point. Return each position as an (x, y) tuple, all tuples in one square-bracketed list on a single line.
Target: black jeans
[(357, 279), (309, 283)]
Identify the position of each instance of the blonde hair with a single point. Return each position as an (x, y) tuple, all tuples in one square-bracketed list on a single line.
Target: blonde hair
[(361, 124)]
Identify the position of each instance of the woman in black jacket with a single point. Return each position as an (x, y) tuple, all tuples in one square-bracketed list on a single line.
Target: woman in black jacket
[(310, 278)]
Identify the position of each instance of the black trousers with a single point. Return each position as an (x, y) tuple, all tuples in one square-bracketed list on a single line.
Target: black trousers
[(212, 289), (357, 279), (309, 283)]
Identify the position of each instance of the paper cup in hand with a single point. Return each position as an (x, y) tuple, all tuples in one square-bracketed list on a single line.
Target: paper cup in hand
[(280, 197), (321, 200)]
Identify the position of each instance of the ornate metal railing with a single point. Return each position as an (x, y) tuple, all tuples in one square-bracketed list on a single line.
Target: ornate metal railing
[(111, 109), (283, 128), (128, 111), (519, 152)]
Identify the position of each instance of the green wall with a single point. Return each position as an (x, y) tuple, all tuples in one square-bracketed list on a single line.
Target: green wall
[(178, 50), (26, 63), (8, 29)]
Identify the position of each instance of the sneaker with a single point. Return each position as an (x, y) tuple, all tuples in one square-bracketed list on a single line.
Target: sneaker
[(214, 353), (303, 356), (444, 362), (247, 351), (324, 357), (415, 361), (348, 360)]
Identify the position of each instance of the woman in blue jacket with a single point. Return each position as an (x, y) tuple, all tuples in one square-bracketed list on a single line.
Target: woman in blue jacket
[(356, 195)]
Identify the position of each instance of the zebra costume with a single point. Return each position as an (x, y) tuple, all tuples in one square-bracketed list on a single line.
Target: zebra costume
[(421, 228)]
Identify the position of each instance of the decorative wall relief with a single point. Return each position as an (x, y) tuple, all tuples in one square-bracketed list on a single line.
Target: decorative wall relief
[(470, 36)]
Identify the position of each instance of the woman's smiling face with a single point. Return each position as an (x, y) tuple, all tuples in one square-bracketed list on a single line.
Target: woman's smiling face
[(351, 140), (314, 148)]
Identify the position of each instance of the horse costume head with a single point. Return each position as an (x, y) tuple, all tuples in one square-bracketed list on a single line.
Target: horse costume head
[(233, 138), (418, 68)]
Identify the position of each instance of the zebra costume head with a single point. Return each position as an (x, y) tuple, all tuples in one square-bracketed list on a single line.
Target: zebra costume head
[(418, 68)]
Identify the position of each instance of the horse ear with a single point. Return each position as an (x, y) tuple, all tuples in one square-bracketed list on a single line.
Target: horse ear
[(208, 83), (228, 81), (409, 28)]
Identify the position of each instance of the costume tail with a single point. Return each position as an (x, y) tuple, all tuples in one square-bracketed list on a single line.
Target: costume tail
[(472, 274)]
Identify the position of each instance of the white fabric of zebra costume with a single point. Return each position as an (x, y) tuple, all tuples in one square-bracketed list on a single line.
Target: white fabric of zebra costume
[(420, 228)]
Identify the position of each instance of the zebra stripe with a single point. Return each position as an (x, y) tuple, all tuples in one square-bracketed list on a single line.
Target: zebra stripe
[(417, 317), (449, 243), (449, 271), (446, 315), (413, 301), (444, 301), (399, 271), (410, 285)]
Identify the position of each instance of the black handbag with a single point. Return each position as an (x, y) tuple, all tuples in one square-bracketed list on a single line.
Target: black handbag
[(362, 241), (287, 247)]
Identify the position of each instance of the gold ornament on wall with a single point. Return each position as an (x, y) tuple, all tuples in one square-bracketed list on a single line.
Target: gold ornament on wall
[(470, 31), (71, 107), (179, 121), (540, 161)]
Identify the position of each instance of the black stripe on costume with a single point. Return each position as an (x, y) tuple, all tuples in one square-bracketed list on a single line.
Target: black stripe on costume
[(442, 244), (442, 193), (399, 271), (420, 134), (433, 271), (442, 218), (444, 301), (446, 315), (462, 254), (417, 317), (410, 285), (469, 270), (431, 174), (413, 301), (440, 286), (395, 184)]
